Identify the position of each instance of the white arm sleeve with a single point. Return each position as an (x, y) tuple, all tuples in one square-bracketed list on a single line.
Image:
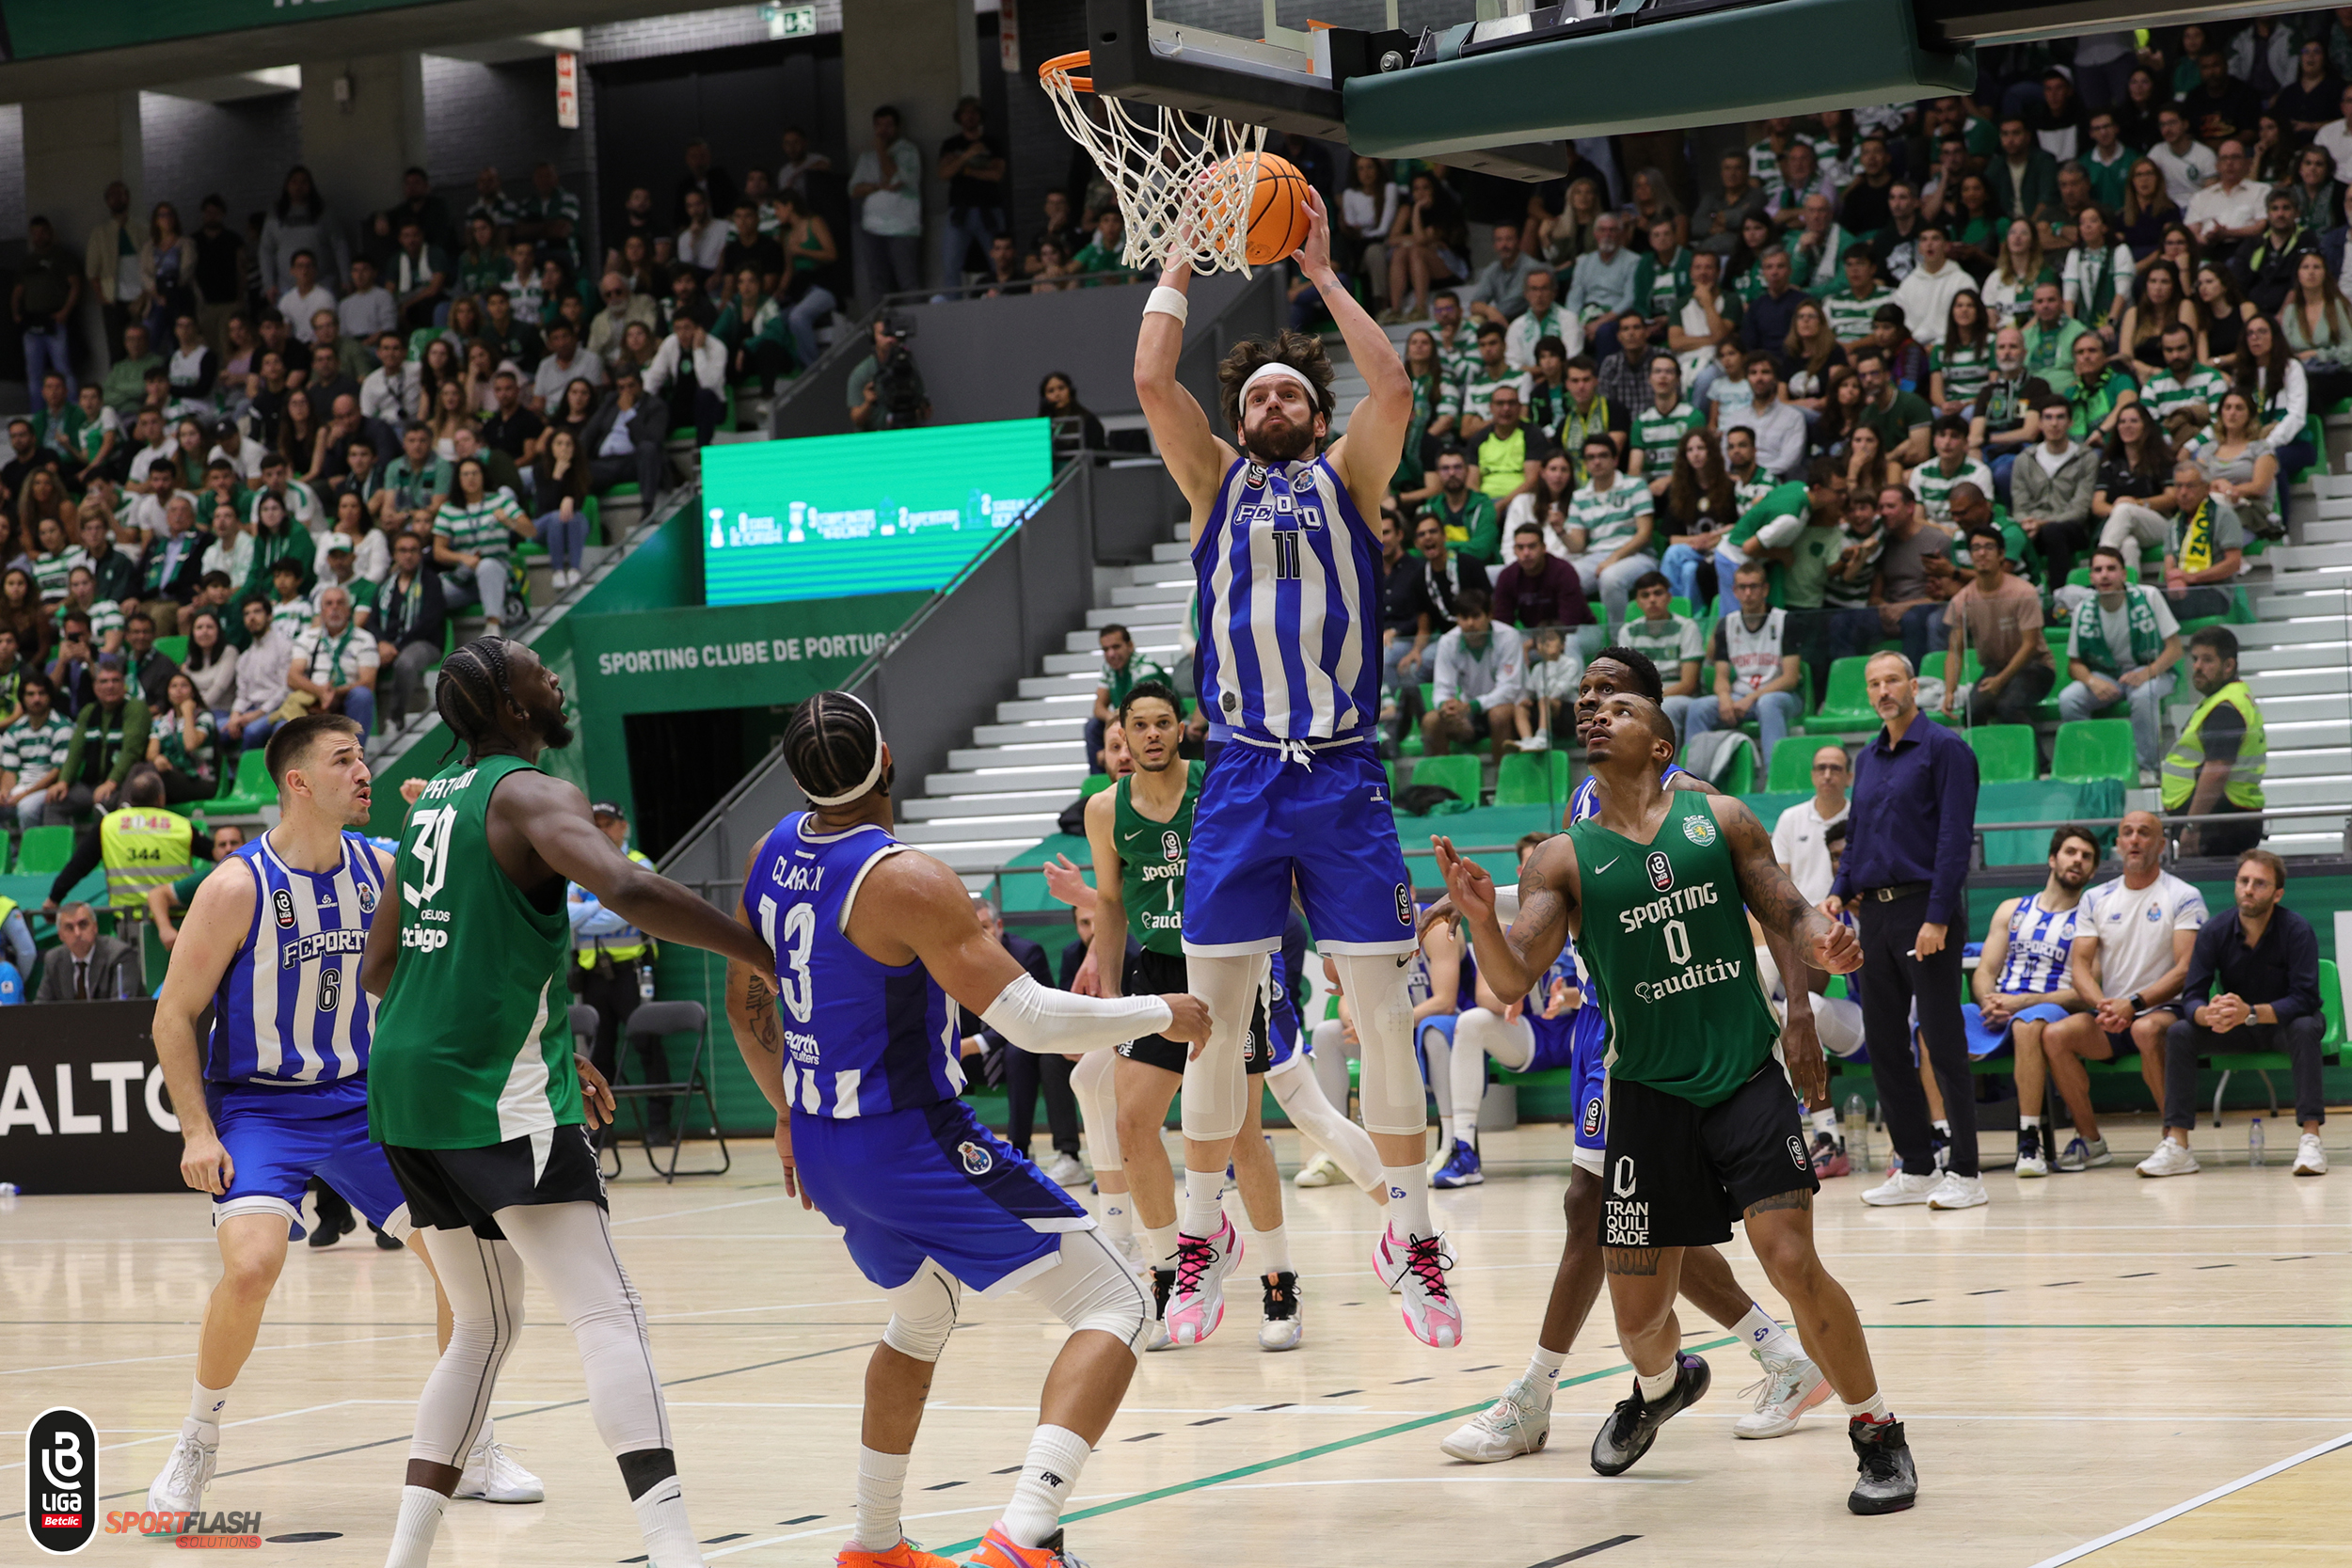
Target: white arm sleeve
[(1049, 1022)]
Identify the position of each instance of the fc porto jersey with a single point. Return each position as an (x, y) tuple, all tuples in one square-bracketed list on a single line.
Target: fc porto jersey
[(1288, 590), (288, 1008), (861, 1038), (2039, 943)]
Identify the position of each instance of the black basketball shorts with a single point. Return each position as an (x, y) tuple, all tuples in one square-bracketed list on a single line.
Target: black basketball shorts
[(1152, 974), (459, 1189), (1678, 1174)]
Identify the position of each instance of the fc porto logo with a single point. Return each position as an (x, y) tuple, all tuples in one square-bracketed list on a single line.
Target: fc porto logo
[(283, 902), (1254, 476), (1699, 831), (1662, 870), (1171, 846), (978, 1161), (366, 900)]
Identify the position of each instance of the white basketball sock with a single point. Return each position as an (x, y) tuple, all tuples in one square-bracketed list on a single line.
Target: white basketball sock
[(2024, 1120), (1764, 1334), (1271, 1250), (1201, 1209), (420, 1521), (1825, 1120), (1162, 1239), (1056, 1454), (204, 1407), (1656, 1388), (1542, 1372), (1119, 1217), (1874, 1409), (662, 1520), (1408, 1201), (881, 1483)]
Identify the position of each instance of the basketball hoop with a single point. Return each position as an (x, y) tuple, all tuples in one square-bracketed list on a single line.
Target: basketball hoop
[(1183, 185)]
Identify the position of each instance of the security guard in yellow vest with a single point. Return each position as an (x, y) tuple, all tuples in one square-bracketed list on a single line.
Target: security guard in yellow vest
[(610, 966), (142, 845), (2217, 765)]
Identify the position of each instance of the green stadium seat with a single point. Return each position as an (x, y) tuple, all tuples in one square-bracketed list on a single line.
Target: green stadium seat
[(1458, 772), (1932, 668), (1428, 696), (1844, 706), (2004, 753), (1095, 784), (249, 791), (2090, 750), (43, 851), (2330, 1005), (1793, 766), (1680, 605), (1740, 778), (1532, 779), (174, 648)]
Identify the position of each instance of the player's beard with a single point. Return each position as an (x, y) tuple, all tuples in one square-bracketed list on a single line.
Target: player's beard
[(1287, 445), (553, 732)]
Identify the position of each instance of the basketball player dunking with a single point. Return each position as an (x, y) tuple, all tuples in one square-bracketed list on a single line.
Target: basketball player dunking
[(1288, 668)]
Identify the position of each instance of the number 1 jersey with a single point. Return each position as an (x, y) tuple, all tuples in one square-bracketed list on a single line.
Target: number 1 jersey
[(861, 1038)]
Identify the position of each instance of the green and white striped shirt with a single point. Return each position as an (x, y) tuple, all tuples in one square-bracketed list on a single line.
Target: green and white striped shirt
[(1657, 435), (50, 571), (1934, 487), (480, 529), (2163, 395), (1669, 643), (1850, 317), (1473, 394), (1966, 371), (106, 615), (1608, 518), (28, 750)]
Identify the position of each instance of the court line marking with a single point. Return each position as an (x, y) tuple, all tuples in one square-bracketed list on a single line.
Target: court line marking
[(2196, 1502)]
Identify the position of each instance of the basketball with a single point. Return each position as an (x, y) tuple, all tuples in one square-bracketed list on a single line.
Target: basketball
[(1278, 209)]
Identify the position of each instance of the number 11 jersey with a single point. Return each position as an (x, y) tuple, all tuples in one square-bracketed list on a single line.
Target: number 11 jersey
[(861, 1038)]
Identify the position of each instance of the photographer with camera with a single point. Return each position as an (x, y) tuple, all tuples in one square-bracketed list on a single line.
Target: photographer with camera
[(886, 390)]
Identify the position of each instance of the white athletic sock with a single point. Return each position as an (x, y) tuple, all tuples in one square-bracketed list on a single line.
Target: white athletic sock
[(1655, 1388), (1118, 1219), (1945, 1128), (1466, 1127), (881, 1481), (420, 1521), (204, 1407), (1201, 1210), (1542, 1372), (1764, 1334), (1408, 1201), (2028, 1121), (1825, 1120), (1056, 1454), (1271, 1250), (662, 1520), (1875, 1410), (1162, 1239)]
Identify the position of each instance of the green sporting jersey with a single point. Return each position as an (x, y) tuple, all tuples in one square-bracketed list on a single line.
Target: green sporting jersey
[(1659, 437), (1152, 864), (1665, 939), (462, 1057)]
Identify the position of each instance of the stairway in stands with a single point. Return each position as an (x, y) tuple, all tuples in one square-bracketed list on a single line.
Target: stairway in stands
[(1000, 795)]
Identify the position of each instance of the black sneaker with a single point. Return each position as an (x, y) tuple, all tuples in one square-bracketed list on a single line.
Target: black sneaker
[(1282, 1328), (327, 1231), (1889, 1483), (1631, 1429), (387, 1243)]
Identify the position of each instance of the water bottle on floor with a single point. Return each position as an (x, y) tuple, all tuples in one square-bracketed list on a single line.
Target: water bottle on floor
[(2254, 1142), (1857, 1132), (644, 981)]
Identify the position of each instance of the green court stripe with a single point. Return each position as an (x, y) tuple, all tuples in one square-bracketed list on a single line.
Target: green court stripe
[(1874, 1327), (1317, 1452)]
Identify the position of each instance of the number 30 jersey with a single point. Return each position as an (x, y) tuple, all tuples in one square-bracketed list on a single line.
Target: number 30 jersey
[(464, 1057), (861, 1038)]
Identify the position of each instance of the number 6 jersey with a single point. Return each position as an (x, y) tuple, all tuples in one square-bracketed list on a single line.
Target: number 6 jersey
[(463, 1056), (861, 1038), (289, 1009)]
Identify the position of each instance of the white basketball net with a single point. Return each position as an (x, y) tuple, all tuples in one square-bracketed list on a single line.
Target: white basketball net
[(1182, 186)]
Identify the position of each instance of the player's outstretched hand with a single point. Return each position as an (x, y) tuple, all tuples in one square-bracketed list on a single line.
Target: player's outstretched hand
[(791, 1170), (596, 1095), (1466, 885), (1835, 948), (411, 790), (1314, 256), (1188, 1019), (205, 1165)]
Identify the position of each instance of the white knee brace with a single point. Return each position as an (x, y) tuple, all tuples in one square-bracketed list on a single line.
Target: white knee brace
[(1390, 1093), (1217, 1085), (923, 1312), (1092, 1287), (1093, 1082)]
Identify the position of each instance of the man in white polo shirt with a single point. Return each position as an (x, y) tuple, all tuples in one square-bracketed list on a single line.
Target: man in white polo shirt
[(2229, 211), (1798, 841), (1609, 523)]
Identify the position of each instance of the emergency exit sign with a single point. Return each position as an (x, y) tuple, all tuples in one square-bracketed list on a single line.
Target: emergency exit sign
[(790, 21)]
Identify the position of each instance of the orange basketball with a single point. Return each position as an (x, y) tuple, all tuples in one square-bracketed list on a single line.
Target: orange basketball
[(1278, 209)]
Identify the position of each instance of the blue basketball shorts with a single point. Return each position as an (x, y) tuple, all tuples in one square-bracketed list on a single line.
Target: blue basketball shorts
[(1984, 1042), (278, 1138), (1262, 821), (931, 1182), (1588, 1064)]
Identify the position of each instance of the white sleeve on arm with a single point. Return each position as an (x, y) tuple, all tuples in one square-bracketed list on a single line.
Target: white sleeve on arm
[(1048, 1022)]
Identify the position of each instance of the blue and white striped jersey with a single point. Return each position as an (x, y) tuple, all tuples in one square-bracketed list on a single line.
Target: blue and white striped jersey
[(861, 1038), (1288, 588), (288, 1008), (2039, 942)]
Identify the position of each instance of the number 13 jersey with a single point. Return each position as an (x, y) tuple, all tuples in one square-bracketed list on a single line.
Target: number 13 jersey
[(861, 1038), (463, 1056)]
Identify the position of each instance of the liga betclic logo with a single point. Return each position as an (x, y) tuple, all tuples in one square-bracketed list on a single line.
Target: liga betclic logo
[(61, 1480)]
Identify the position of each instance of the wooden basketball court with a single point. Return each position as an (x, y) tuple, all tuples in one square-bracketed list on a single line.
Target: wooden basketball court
[(2080, 1358)]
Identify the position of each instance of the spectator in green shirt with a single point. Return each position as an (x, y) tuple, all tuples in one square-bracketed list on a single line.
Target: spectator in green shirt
[(125, 384), (2102, 389), (2049, 336), (1901, 417), (1103, 253), (1508, 453), (1472, 526), (109, 740)]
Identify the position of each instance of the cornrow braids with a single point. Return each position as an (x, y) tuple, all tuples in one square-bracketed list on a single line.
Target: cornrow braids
[(831, 743), (473, 688)]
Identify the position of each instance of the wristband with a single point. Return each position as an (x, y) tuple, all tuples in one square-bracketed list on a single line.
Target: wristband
[(1166, 301)]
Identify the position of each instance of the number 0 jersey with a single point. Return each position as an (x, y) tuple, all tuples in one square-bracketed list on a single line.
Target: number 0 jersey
[(861, 1038), (288, 1008), (1288, 582)]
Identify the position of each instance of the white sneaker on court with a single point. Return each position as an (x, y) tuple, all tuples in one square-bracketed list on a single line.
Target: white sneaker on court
[(1901, 1187), (493, 1475), (2310, 1158), (1792, 1386), (1321, 1171), (1063, 1170), (180, 1487), (2171, 1158), (1519, 1422), (1959, 1192), (1418, 1265)]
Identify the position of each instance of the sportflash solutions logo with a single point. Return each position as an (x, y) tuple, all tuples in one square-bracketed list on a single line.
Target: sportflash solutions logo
[(192, 1530), (60, 1480)]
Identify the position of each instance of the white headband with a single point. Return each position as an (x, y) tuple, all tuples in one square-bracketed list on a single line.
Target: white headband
[(1275, 367), (871, 774)]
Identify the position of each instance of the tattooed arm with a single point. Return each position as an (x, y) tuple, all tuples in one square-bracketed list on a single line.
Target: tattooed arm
[(1800, 936), (1512, 961)]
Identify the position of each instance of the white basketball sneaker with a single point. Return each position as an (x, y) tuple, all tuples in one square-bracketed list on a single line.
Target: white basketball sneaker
[(1196, 1304), (1900, 1188), (1792, 1386), (1519, 1422), (2310, 1158), (492, 1474), (1321, 1171), (1418, 1265), (2171, 1158), (180, 1487)]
